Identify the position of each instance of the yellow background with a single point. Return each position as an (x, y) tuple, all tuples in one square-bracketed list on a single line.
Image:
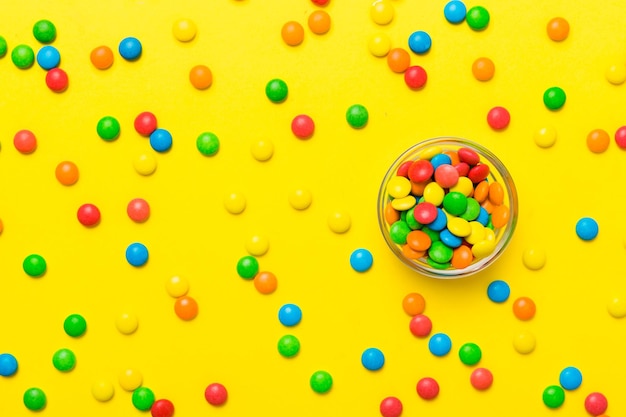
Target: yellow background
[(233, 339)]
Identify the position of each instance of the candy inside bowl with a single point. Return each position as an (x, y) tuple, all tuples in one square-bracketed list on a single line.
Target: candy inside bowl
[(447, 207)]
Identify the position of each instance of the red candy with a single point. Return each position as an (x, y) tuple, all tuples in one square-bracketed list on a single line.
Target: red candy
[(216, 394), (596, 404), (415, 77), (478, 173), (25, 141), (162, 408), (421, 170), (138, 210), (446, 176), (320, 2), (498, 118), (403, 170), (145, 123), (56, 80), (391, 407), (88, 215), (462, 168), (420, 325), (469, 156), (427, 388), (481, 378), (302, 126), (620, 137), (425, 212)]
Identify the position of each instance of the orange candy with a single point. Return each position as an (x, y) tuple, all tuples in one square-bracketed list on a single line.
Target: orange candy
[(454, 157), (1, 227), (292, 33), (481, 192), (398, 60), (462, 257), (417, 188), (598, 141), (487, 205), (483, 69), (67, 173), (558, 29), (102, 57), (265, 282), (409, 253), (201, 77), (186, 308), (418, 240), (413, 304), (496, 193), (319, 22), (391, 215), (500, 216), (524, 308)]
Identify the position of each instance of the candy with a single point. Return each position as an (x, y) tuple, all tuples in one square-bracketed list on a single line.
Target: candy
[(379, 45), (48, 57), (321, 382), (23, 56), (64, 360), (587, 228), (420, 325), (207, 143), (137, 254), (545, 137), (554, 98), (454, 11), (570, 378), (524, 308), (382, 12), (145, 123), (102, 390), (162, 408), (138, 210), (34, 265), (415, 77), (161, 140), (101, 57), (439, 344), (235, 203), (292, 33), (262, 150), (498, 118), (481, 378), (617, 307), (143, 398), (398, 60), (247, 267), (413, 303), (276, 90), (25, 141), (44, 31), (524, 343), (372, 359), (361, 260), (420, 42), (598, 140), (534, 258), (289, 315), (216, 394), (300, 198), (34, 399), (477, 18), (265, 282), (3, 46), (596, 403), (127, 323), (357, 116), (177, 286), (616, 73), (470, 354), (288, 346), (302, 126), (75, 325), (8, 364), (339, 222), (108, 128), (498, 291), (145, 164), (130, 379), (186, 308), (201, 77), (57, 80), (88, 215), (130, 48), (184, 30), (553, 396), (319, 22), (558, 29), (427, 388), (391, 407)]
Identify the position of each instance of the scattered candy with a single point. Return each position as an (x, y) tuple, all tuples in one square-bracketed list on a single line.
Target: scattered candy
[(415, 77), (570, 378), (300, 199), (276, 90), (48, 57), (143, 398), (620, 137), (558, 29), (498, 118), (177, 286), (162, 408), (201, 77), (57, 80), (145, 123), (75, 325), (289, 315), (186, 308), (398, 60), (208, 143), (247, 267), (161, 140), (25, 141), (372, 359), (598, 140), (235, 203), (64, 360), (130, 379), (3, 46), (382, 12), (8, 364), (524, 308), (138, 210), (413, 304), (288, 346), (101, 57), (357, 116), (534, 258), (66, 173), (321, 382), (617, 307), (262, 150), (545, 137), (439, 344), (477, 18), (292, 33), (34, 265), (23, 56), (302, 126), (320, 3), (34, 399), (553, 396), (470, 354), (420, 42), (319, 22), (554, 98), (587, 228), (454, 11), (616, 74), (481, 378), (524, 343), (257, 245), (102, 390), (108, 128), (44, 31), (184, 30), (596, 404), (137, 254), (88, 215), (339, 222), (391, 407), (498, 291), (379, 45), (265, 282), (361, 260), (130, 48), (216, 394), (427, 388), (420, 325), (483, 69), (145, 164), (127, 323)]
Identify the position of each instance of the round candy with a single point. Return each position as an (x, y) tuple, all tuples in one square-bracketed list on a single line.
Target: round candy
[(177, 286), (23, 56), (439, 344), (247, 267), (48, 57), (161, 140), (587, 228), (477, 18), (292, 33), (382, 12), (320, 3), (57, 80), (524, 343), (420, 42), (216, 394), (454, 11), (102, 390), (379, 44), (415, 77), (64, 360), (483, 69), (427, 388), (34, 399), (596, 404), (145, 123), (339, 222), (524, 308), (262, 150), (372, 359), (391, 407), (44, 31), (265, 282), (357, 116), (25, 141), (302, 126), (101, 57), (88, 215), (75, 325), (186, 308), (321, 382), (289, 315), (553, 396), (413, 304), (138, 210), (162, 408), (534, 258), (207, 143), (288, 346), (127, 323), (137, 254), (420, 325), (616, 74), (66, 173), (300, 199), (34, 265), (235, 203), (257, 245), (319, 22), (570, 378), (617, 307), (145, 164), (130, 379), (598, 140), (184, 30), (108, 128), (558, 29), (620, 137), (201, 77), (3, 46), (545, 137), (276, 90), (481, 378), (8, 364), (361, 260), (130, 48), (143, 398), (554, 98), (398, 60), (470, 354), (498, 291), (498, 118)]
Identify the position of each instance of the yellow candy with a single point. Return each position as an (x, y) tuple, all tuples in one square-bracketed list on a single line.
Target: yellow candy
[(459, 227), (617, 307), (145, 164), (379, 45), (534, 258), (433, 193), (463, 186), (382, 12), (403, 204), (127, 323), (399, 187), (483, 248), (616, 74), (235, 203), (262, 150), (300, 199), (545, 137), (130, 379), (339, 222), (177, 286), (257, 245), (477, 233), (184, 30), (490, 234), (524, 343), (102, 390), (430, 152)]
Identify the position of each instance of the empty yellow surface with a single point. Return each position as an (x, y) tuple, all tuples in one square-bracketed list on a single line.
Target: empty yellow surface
[(190, 234)]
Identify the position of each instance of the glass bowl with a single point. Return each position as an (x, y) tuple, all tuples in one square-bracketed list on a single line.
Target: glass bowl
[(412, 194)]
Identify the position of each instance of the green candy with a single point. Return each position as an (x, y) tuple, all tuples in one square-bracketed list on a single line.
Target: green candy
[(470, 354), (44, 31), (321, 382), (288, 346), (357, 116), (455, 203), (23, 56), (247, 267), (34, 399), (439, 252), (208, 143), (437, 265), (75, 325), (410, 219), (553, 396), (554, 98), (434, 236), (64, 360), (3, 46), (477, 18), (108, 128), (472, 211), (34, 265), (143, 398), (276, 90), (398, 232)]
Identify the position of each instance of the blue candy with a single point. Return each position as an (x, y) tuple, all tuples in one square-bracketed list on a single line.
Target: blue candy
[(372, 359), (361, 260), (440, 159), (483, 217), (570, 378), (449, 239), (420, 42), (587, 228), (455, 11), (498, 291), (48, 57), (161, 140), (130, 48), (136, 254), (440, 222), (8, 364), (289, 315), (440, 344)]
